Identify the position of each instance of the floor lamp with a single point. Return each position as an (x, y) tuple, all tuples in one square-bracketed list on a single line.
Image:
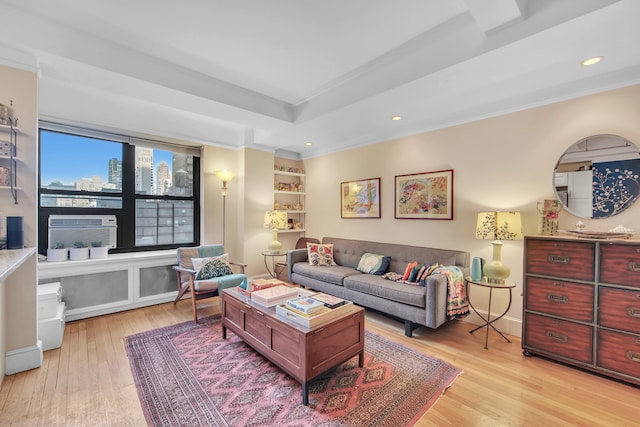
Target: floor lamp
[(224, 176)]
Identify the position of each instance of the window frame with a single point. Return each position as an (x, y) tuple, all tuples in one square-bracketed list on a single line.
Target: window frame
[(126, 216)]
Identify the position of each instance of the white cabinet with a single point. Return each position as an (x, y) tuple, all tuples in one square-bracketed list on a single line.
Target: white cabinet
[(289, 196)]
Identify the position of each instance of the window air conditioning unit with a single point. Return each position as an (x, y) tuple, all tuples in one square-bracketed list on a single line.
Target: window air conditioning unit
[(68, 229)]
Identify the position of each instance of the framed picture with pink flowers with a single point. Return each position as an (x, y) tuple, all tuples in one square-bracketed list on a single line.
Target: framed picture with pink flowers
[(427, 195)]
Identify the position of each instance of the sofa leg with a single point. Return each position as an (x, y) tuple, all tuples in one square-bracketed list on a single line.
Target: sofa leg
[(409, 327)]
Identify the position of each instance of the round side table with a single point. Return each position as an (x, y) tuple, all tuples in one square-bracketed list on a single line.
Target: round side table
[(272, 255), (488, 322)]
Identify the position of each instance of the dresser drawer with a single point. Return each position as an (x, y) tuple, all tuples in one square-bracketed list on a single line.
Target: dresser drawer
[(564, 338), (619, 352), (570, 260), (619, 309), (560, 298), (620, 264)]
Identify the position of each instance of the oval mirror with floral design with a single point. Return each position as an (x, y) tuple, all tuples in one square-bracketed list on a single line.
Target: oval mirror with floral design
[(598, 176)]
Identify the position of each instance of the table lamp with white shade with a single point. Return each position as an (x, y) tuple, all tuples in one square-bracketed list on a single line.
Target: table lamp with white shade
[(498, 226)]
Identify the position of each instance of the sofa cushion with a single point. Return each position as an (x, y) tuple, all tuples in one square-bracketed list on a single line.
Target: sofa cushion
[(320, 254), (393, 291), (334, 274), (373, 263)]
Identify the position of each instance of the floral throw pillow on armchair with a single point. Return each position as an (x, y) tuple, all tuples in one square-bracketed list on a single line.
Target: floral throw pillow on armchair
[(320, 254)]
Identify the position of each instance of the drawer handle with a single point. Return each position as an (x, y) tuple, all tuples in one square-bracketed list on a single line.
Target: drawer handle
[(634, 266), (561, 299), (633, 311), (556, 337), (317, 331), (633, 356), (259, 313), (559, 259)]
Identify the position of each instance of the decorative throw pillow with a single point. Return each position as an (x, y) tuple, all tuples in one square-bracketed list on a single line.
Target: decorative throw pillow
[(407, 271), (320, 254), (428, 271), (374, 263), (212, 269), (209, 268), (413, 275)]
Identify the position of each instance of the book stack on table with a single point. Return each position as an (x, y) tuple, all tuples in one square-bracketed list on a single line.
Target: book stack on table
[(313, 310), (274, 295)]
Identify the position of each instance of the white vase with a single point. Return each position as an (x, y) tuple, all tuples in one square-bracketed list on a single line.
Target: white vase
[(76, 254), (275, 246), (56, 255), (495, 271), (98, 252)]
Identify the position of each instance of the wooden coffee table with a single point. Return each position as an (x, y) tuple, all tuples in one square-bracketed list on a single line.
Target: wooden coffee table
[(301, 352)]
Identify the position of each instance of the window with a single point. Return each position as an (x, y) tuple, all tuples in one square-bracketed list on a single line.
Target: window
[(151, 187)]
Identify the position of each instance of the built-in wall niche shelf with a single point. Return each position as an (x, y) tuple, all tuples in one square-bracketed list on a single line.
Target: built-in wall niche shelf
[(8, 158), (283, 173), (292, 230), (301, 193), (289, 194)]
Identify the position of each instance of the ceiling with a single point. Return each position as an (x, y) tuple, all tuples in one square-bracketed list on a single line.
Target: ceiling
[(278, 74)]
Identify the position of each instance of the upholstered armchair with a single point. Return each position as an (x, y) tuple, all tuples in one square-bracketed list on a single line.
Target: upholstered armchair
[(204, 271)]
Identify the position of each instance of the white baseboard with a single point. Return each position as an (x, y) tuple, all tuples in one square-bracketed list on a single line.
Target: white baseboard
[(23, 359), (506, 325)]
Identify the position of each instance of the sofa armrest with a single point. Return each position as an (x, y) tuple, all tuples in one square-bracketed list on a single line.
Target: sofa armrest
[(436, 300), (293, 256)]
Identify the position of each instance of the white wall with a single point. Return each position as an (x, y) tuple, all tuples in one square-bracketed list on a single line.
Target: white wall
[(19, 308), (501, 163)]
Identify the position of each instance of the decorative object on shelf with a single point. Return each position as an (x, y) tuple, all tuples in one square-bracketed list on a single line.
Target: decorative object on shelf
[(79, 251), (426, 195), (6, 149), (580, 226), (275, 220), (548, 221), (225, 176), (498, 226), (360, 199), (4, 115), (97, 251), (5, 176)]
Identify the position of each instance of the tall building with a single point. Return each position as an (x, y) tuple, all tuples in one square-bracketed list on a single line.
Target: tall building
[(115, 173), (163, 178), (182, 175), (144, 170)]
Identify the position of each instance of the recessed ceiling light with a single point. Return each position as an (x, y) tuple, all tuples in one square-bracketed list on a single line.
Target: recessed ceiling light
[(591, 61), (396, 118), (308, 144)]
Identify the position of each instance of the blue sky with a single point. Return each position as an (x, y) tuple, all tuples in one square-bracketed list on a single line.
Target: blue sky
[(66, 158)]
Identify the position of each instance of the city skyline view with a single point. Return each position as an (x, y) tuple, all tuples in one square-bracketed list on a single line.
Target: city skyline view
[(86, 157)]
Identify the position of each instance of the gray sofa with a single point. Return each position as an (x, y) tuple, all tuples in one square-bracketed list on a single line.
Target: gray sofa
[(415, 305)]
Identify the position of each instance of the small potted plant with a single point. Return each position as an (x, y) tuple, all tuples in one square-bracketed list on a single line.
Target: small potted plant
[(97, 251), (57, 253), (79, 251)]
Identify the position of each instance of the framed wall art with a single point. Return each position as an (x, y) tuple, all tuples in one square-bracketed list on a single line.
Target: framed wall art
[(360, 199), (427, 195)]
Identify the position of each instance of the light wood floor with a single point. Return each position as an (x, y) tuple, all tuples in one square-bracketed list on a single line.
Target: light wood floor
[(87, 382)]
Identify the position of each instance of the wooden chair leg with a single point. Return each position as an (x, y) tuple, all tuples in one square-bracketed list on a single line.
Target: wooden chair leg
[(193, 303)]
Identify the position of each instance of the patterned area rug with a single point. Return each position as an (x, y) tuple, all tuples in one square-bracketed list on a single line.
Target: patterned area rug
[(187, 375)]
